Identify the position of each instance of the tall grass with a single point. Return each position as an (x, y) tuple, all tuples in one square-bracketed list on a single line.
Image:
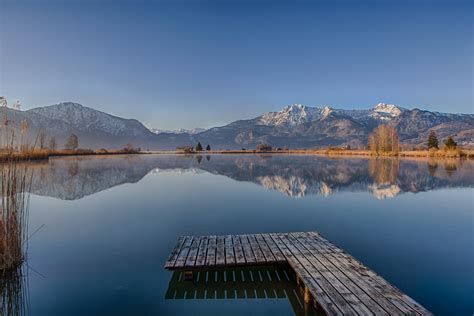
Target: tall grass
[(15, 185)]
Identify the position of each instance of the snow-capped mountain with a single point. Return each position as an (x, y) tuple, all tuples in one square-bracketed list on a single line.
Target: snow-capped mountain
[(300, 126), (295, 126), (297, 114)]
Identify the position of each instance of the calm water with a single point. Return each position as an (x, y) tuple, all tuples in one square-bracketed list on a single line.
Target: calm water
[(110, 223)]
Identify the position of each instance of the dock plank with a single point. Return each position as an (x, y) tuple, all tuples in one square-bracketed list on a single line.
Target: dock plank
[(238, 250), (220, 251), (193, 251), (267, 253), (174, 253), (279, 256), (375, 300), (229, 250), (183, 253), (259, 257), (202, 252), (405, 304), (248, 253), (316, 275), (211, 251)]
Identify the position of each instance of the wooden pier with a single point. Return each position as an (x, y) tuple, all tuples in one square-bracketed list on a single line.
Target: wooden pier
[(331, 278)]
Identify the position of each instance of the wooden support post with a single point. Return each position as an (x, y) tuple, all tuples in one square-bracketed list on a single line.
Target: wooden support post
[(307, 295), (188, 275)]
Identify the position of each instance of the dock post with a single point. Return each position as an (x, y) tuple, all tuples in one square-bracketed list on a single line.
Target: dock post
[(307, 295), (188, 275)]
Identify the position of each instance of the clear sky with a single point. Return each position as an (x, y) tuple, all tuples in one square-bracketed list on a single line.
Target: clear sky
[(187, 64)]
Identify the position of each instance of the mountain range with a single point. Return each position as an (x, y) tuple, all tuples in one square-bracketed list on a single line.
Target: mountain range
[(295, 126)]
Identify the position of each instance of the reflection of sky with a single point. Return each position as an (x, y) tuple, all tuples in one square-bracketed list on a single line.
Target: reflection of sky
[(104, 253)]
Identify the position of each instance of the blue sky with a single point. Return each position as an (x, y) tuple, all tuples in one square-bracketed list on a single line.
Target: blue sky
[(178, 63)]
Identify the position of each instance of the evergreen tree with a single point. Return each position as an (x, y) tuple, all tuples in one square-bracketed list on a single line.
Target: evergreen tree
[(432, 140), (208, 147), (450, 143), (199, 147)]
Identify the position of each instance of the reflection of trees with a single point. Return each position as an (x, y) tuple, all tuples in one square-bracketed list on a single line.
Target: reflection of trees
[(450, 167), (432, 167), (73, 169), (199, 159), (384, 171), (14, 292)]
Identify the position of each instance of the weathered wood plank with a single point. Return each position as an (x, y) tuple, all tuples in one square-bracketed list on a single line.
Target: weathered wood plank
[(220, 253), (371, 298), (229, 250), (193, 251), (211, 251), (239, 253), (248, 253), (322, 298), (202, 252), (267, 253), (174, 253), (357, 298), (314, 274), (183, 253), (259, 257), (404, 303), (279, 256)]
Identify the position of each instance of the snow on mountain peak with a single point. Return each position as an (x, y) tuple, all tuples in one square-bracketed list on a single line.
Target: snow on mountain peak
[(290, 115), (326, 111), (385, 112), (390, 109)]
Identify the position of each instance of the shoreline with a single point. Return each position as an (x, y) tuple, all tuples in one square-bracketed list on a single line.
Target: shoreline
[(451, 154), (439, 154)]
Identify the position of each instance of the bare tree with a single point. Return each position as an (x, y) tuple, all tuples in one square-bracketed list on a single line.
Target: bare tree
[(52, 143), (42, 139), (384, 139), (72, 142)]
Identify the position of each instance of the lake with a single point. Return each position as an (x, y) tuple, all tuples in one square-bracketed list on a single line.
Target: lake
[(104, 226)]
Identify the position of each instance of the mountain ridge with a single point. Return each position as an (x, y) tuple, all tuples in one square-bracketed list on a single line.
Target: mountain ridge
[(295, 126)]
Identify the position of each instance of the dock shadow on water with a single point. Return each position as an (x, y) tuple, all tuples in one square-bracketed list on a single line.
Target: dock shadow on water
[(246, 283)]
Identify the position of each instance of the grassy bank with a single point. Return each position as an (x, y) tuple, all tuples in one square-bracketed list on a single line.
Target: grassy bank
[(40, 154), (441, 153), (45, 154)]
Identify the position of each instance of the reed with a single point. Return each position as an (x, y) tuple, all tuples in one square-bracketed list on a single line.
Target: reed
[(15, 186)]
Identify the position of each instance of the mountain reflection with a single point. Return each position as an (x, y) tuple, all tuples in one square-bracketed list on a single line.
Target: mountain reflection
[(295, 176)]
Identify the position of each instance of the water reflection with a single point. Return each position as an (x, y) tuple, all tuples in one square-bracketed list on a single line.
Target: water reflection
[(295, 176), (241, 283)]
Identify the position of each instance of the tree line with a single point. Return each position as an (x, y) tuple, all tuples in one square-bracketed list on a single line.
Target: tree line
[(385, 139)]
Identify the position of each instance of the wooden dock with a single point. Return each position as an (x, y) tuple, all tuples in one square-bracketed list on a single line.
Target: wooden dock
[(331, 278)]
